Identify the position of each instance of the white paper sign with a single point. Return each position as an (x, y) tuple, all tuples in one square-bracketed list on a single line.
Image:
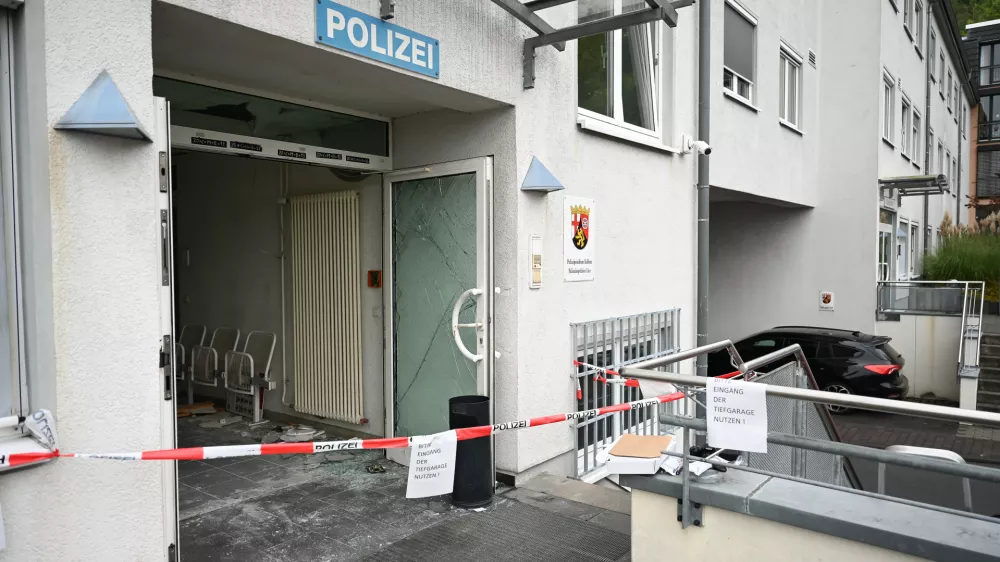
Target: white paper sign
[(578, 228), (432, 465), (737, 415), (655, 389)]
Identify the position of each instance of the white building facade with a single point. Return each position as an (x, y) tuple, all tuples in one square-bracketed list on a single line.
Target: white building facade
[(843, 95), (113, 245)]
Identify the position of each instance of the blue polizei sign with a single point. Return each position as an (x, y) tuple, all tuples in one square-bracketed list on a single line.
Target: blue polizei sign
[(350, 30)]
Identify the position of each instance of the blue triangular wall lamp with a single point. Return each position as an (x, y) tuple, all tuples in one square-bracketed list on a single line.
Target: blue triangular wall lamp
[(102, 110), (540, 179)]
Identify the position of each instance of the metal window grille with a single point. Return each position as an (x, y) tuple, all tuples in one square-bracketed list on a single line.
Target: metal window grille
[(614, 343)]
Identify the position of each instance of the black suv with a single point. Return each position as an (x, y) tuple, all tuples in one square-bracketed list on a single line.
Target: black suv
[(842, 361)]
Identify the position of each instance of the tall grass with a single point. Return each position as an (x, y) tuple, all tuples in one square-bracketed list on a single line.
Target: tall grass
[(968, 253)]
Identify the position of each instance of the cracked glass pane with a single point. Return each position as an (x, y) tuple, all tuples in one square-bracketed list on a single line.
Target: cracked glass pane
[(434, 262)]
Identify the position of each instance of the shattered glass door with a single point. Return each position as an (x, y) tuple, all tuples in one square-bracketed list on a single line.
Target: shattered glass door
[(434, 260)]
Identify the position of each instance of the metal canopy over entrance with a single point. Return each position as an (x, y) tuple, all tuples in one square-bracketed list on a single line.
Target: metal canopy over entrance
[(525, 12), (909, 186)]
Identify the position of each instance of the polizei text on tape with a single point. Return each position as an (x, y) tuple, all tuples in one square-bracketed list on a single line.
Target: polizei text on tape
[(432, 465), (737, 415)]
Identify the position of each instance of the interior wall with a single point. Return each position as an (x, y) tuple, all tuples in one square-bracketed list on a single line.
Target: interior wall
[(228, 269)]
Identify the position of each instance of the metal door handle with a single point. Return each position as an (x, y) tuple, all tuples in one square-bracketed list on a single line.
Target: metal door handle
[(455, 326)]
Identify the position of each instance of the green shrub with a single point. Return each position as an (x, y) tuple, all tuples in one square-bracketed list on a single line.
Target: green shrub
[(967, 253)]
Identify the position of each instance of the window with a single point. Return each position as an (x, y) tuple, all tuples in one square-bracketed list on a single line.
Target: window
[(989, 118), (930, 53), (915, 139), (918, 23), (790, 79), (908, 16), (941, 70), (837, 351), (930, 239), (617, 71), (954, 178), (964, 122), (944, 165), (739, 52), (955, 99), (902, 250), (888, 106), (940, 158), (989, 64), (914, 247), (949, 89), (904, 138), (930, 147), (809, 347)]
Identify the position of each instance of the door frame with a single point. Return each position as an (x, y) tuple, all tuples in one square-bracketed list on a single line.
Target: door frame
[(483, 168), (168, 389)]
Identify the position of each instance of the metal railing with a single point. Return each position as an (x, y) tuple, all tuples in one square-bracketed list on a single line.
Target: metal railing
[(989, 131), (690, 384), (925, 298), (613, 343)]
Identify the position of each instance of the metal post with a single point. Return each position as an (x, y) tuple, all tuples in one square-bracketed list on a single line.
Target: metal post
[(686, 481)]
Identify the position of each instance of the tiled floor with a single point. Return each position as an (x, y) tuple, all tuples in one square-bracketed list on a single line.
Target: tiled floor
[(316, 507)]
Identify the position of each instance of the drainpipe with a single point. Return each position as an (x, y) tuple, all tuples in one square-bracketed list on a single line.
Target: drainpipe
[(704, 113), (929, 56), (704, 104)]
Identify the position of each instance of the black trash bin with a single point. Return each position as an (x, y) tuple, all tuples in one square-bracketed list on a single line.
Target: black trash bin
[(473, 462)]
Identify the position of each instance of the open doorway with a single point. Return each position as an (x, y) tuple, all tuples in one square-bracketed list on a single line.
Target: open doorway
[(312, 290)]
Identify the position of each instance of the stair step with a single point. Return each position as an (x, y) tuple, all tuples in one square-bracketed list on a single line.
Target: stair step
[(988, 407), (991, 339), (989, 385)]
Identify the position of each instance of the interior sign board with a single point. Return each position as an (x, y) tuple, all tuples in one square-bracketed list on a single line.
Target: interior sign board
[(349, 30), (737, 415), (578, 229)]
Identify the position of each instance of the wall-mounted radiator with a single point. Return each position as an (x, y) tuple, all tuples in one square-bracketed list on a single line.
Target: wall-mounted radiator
[(326, 306)]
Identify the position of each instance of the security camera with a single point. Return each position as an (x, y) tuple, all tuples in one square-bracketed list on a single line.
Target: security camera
[(701, 146)]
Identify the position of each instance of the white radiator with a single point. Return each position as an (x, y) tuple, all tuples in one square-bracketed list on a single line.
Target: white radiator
[(326, 306)]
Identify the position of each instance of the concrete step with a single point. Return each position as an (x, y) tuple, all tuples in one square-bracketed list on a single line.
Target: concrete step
[(990, 384), (986, 407), (987, 349), (989, 361), (988, 397), (991, 339)]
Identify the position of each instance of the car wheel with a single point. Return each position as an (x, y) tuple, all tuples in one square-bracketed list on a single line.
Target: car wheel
[(840, 389)]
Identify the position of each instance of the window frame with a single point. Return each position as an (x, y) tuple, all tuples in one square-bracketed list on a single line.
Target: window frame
[(916, 120), (906, 114), (908, 17), (902, 273), (615, 124), (789, 58), (950, 82), (888, 106), (736, 76), (954, 174), (918, 26), (10, 243), (941, 70), (914, 236), (940, 156)]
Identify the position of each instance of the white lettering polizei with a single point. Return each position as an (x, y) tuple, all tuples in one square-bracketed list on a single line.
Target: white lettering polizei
[(404, 42), (334, 22), (430, 55), (418, 52), (356, 24), (375, 47)]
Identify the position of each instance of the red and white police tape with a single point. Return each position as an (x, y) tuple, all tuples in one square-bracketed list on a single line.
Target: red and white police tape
[(312, 447), (202, 453)]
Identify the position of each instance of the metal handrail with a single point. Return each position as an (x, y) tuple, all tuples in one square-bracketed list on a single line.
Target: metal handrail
[(916, 409)]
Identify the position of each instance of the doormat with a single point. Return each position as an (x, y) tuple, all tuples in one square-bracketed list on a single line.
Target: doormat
[(509, 531)]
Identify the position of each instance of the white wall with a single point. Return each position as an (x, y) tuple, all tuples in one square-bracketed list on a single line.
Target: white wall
[(929, 344), (227, 243), (743, 537), (754, 153), (769, 263), (92, 271)]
